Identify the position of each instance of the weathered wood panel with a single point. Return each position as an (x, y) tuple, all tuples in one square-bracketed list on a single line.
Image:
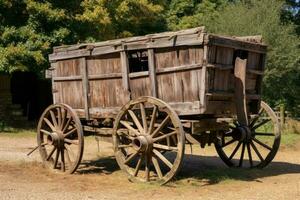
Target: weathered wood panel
[(140, 87), (106, 92), (181, 86), (70, 91), (220, 79)]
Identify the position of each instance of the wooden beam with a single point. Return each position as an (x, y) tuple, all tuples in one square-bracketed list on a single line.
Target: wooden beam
[(179, 68), (85, 85), (53, 74), (125, 71), (67, 78), (152, 72), (240, 90), (202, 80), (105, 76)]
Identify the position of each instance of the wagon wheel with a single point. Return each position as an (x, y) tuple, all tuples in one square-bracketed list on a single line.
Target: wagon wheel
[(148, 140), (258, 142), (60, 138)]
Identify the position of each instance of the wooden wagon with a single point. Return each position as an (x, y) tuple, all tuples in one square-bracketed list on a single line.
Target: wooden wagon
[(153, 95)]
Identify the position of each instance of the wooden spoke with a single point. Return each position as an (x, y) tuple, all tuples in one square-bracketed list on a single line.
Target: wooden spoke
[(125, 146), (62, 165), (164, 147), (256, 151), (70, 132), (127, 125), (264, 134), (46, 132), (262, 144), (229, 142), (242, 155), (266, 153), (249, 155), (153, 119), (130, 157), (49, 124), (64, 121), (144, 118), (261, 123), (76, 142), (235, 150), (67, 125), (136, 121), (68, 156), (53, 118), (157, 167), (146, 137), (162, 158), (63, 118), (138, 166), (147, 167), (59, 117), (164, 136), (162, 125), (56, 158), (51, 153)]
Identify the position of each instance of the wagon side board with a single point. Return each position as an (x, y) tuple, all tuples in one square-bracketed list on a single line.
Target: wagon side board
[(192, 71)]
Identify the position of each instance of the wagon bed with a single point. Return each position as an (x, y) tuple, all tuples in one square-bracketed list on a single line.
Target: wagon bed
[(190, 70), (151, 95)]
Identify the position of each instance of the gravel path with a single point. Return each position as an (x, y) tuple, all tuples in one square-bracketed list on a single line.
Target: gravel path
[(203, 176)]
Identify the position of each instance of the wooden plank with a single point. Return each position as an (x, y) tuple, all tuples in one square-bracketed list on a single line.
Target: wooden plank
[(203, 80), (69, 54), (85, 86), (236, 44), (240, 90), (138, 74), (178, 68), (67, 78), (125, 71), (152, 72), (53, 74), (105, 76)]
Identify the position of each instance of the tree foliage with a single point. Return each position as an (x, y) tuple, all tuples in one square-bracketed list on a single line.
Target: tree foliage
[(29, 29)]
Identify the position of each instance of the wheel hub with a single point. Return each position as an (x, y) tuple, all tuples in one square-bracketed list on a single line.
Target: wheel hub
[(56, 139), (142, 143), (244, 134)]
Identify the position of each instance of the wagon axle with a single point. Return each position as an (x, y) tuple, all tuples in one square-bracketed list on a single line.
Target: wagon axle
[(242, 134)]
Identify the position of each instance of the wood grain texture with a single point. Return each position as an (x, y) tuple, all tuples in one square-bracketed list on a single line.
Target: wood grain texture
[(180, 86)]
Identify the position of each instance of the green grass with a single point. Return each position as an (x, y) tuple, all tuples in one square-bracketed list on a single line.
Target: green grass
[(17, 132)]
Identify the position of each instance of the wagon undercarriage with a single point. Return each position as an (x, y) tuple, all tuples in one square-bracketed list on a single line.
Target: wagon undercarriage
[(152, 95)]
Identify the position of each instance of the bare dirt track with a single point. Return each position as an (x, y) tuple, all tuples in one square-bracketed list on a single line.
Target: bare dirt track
[(203, 176)]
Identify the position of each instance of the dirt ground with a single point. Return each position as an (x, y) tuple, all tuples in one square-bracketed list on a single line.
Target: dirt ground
[(203, 176)]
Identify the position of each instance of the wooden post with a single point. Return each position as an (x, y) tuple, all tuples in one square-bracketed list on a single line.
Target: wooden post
[(152, 72), (240, 90), (53, 75), (282, 115), (125, 72), (85, 85), (202, 81)]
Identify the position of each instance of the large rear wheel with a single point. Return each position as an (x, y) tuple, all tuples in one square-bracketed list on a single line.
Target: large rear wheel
[(258, 142), (148, 140)]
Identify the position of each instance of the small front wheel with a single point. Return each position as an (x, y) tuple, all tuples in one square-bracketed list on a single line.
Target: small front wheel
[(60, 138), (148, 140)]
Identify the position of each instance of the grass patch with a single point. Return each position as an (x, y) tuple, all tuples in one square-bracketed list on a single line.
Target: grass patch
[(17, 132)]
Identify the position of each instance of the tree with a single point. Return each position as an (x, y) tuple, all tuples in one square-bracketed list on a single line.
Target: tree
[(29, 29)]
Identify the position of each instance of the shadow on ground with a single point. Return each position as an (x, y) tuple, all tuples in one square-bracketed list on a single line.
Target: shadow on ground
[(105, 165), (195, 168)]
